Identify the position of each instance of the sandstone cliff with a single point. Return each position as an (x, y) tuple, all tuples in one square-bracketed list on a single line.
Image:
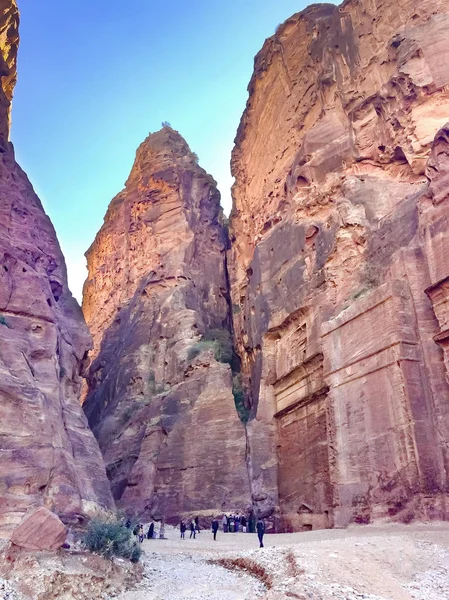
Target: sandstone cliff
[(156, 301), (48, 455), (339, 271)]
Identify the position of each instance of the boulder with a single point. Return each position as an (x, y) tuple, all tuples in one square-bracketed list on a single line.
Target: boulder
[(40, 530)]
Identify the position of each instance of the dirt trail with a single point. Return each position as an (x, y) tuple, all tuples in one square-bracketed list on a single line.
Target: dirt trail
[(388, 562)]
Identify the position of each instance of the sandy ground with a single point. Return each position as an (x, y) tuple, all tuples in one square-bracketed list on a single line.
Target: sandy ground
[(382, 562)]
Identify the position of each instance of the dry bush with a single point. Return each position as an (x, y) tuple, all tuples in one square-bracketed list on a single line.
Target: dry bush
[(248, 566), (292, 566)]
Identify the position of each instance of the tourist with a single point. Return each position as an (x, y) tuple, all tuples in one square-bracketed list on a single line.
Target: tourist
[(197, 524), (150, 531), (215, 528), (231, 524), (243, 522), (260, 526), (192, 529), (224, 522), (183, 528), (162, 530), (128, 524), (251, 521), (237, 523), (141, 533)]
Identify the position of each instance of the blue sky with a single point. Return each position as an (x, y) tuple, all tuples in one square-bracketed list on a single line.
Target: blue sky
[(96, 76)]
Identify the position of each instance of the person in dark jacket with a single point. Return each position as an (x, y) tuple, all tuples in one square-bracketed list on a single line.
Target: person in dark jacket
[(243, 522), (260, 526), (183, 528), (215, 528), (150, 533), (192, 529), (197, 524)]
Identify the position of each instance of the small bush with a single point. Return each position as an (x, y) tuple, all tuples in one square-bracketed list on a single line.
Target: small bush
[(224, 351), (3, 321), (239, 398), (108, 537), (199, 347), (236, 309)]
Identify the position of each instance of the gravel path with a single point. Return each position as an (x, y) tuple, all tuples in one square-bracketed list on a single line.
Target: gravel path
[(183, 576), (388, 562)]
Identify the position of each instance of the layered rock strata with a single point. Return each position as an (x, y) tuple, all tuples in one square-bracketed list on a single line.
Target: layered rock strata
[(49, 457), (339, 264), (156, 301)]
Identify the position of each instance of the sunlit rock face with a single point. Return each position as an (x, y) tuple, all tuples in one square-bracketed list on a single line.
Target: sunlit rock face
[(48, 454), (159, 403), (338, 266)]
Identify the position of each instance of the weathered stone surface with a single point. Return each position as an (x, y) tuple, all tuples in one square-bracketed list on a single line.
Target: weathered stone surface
[(165, 419), (338, 228), (48, 454), (40, 530)]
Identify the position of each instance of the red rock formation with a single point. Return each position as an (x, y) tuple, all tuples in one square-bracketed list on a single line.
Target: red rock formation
[(48, 455), (40, 530), (159, 402), (336, 237)]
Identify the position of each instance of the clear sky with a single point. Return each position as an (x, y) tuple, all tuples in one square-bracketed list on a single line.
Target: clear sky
[(96, 76)]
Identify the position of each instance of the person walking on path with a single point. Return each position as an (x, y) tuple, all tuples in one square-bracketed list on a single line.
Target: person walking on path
[(260, 526), (237, 523), (150, 533), (224, 522), (183, 528), (243, 522), (215, 528), (192, 529), (197, 524), (141, 533), (162, 530)]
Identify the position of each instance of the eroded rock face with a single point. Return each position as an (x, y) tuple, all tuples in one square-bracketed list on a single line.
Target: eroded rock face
[(48, 455), (159, 403), (338, 230)]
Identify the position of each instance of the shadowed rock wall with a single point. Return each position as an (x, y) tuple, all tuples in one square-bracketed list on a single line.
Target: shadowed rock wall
[(338, 230), (159, 403), (48, 454)]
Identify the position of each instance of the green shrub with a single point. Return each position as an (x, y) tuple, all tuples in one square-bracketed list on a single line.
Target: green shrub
[(3, 321), (239, 398), (224, 351), (108, 537), (199, 347), (236, 309)]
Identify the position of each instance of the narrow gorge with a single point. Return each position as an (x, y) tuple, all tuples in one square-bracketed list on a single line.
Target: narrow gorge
[(294, 360)]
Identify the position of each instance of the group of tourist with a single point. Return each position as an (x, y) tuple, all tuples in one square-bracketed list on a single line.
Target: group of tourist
[(151, 533), (230, 524)]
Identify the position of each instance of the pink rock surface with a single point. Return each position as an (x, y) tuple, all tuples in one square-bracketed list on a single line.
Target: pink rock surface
[(40, 530), (160, 405), (339, 227), (48, 454)]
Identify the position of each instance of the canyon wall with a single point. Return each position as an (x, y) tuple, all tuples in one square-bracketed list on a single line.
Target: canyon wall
[(338, 265), (160, 398), (48, 454)]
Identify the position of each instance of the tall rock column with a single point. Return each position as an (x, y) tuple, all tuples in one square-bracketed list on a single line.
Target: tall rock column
[(48, 454), (329, 264), (160, 398)]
